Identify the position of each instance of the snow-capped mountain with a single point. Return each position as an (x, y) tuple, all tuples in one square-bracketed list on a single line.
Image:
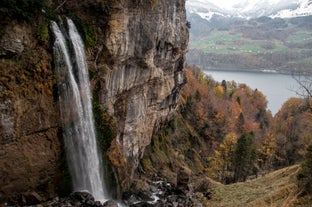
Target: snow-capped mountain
[(205, 9), (252, 9), (304, 9)]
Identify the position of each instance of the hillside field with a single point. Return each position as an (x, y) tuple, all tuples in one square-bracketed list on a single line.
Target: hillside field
[(276, 189)]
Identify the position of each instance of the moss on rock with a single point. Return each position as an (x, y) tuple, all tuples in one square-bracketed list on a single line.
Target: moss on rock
[(106, 126), (172, 147)]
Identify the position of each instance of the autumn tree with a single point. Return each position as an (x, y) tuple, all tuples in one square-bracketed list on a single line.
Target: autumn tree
[(305, 91), (292, 129), (221, 164), (267, 152), (219, 91), (221, 112)]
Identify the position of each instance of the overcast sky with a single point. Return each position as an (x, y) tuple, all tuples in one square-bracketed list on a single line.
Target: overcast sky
[(228, 4), (225, 3)]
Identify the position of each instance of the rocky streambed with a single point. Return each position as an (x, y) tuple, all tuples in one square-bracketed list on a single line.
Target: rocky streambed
[(187, 191)]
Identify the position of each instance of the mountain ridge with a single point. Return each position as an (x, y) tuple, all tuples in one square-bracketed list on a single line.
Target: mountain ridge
[(248, 10)]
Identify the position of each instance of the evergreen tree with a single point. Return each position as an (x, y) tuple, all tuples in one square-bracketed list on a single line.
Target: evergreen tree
[(240, 123), (244, 157), (224, 85)]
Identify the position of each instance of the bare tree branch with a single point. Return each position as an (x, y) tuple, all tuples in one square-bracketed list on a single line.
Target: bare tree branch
[(59, 6), (305, 86)]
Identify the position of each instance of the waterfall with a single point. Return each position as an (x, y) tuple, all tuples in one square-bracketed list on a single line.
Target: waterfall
[(76, 112)]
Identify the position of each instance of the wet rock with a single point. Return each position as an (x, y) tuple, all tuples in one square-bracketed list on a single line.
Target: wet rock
[(164, 195), (137, 199), (110, 203), (80, 199), (143, 204)]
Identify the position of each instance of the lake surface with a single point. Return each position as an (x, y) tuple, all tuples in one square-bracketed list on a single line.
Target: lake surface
[(277, 88)]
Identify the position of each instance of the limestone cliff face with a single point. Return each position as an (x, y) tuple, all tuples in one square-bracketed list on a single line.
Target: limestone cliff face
[(145, 53), (136, 52)]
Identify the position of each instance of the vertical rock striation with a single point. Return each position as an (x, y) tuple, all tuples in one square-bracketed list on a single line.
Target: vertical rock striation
[(143, 59)]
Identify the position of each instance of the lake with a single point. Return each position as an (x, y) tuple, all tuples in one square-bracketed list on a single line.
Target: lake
[(277, 88)]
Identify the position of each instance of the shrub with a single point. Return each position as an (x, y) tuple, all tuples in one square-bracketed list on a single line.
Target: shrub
[(89, 34), (304, 175), (43, 33), (21, 9), (188, 25)]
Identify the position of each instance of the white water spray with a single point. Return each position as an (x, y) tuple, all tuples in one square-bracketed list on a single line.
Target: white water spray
[(76, 112)]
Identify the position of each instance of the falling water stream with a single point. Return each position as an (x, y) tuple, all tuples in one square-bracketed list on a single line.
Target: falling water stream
[(76, 112)]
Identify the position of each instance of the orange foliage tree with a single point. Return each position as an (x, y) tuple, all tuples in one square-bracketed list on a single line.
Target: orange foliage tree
[(218, 111), (293, 131)]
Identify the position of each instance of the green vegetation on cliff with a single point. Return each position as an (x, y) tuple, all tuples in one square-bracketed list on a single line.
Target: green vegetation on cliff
[(106, 127)]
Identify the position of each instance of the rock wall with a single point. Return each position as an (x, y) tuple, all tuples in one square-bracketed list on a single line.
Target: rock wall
[(146, 43), (136, 53), (29, 145)]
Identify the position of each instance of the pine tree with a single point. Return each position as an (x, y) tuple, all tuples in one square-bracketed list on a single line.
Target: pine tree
[(244, 157)]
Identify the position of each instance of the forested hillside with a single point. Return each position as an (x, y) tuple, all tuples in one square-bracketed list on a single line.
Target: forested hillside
[(244, 136), (225, 132)]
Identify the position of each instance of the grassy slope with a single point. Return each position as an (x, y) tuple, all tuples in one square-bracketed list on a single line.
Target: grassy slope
[(275, 189)]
